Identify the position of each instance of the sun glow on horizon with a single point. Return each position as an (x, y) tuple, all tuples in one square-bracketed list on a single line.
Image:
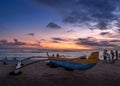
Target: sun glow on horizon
[(62, 46)]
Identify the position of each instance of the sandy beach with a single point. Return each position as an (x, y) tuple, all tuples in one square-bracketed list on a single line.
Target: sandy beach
[(39, 74)]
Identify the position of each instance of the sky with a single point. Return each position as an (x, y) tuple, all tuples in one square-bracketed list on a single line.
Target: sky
[(60, 24)]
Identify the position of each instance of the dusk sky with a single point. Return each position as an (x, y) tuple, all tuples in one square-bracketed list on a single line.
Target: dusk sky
[(60, 24)]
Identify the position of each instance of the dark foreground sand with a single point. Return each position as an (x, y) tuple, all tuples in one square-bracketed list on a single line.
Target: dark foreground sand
[(39, 74)]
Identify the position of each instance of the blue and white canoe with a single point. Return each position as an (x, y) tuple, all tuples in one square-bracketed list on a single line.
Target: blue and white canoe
[(77, 63)]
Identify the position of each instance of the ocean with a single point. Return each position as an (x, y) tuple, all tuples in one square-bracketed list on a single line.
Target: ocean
[(25, 53)]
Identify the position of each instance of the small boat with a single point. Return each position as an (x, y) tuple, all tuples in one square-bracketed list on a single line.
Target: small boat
[(77, 63), (67, 63)]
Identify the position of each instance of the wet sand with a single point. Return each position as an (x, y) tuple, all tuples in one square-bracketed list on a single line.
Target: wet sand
[(39, 74)]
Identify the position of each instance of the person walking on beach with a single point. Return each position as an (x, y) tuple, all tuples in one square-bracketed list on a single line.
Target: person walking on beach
[(112, 54)]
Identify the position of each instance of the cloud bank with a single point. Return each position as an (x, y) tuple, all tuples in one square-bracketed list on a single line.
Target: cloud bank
[(16, 44), (58, 40), (95, 14), (90, 41)]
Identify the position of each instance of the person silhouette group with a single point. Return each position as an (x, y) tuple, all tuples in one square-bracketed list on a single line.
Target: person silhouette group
[(112, 56)]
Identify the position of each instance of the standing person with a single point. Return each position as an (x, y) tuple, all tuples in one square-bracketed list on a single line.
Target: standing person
[(119, 55), (112, 54), (106, 55), (53, 55), (57, 55), (5, 61), (116, 54)]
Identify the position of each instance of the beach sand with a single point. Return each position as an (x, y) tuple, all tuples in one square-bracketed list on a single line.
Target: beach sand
[(39, 74)]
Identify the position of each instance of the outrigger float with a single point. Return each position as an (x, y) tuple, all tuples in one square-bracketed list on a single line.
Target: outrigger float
[(66, 63)]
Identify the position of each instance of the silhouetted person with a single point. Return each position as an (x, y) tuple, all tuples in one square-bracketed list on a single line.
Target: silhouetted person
[(112, 54), (119, 55), (5, 61), (57, 55), (53, 55), (83, 57), (15, 58), (116, 54), (106, 55)]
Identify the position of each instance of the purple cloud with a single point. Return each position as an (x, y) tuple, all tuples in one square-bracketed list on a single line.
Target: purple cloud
[(70, 31), (31, 34), (94, 43), (53, 26), (16, 43), (104, 33)]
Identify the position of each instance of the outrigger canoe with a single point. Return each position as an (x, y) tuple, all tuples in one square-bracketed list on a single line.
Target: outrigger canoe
[(77, 63), (69, 64)]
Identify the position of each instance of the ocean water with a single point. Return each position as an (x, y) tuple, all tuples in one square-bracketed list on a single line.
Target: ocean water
[(25, 53)]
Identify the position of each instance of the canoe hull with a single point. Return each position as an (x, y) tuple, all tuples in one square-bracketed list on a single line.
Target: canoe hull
[(71, 65)]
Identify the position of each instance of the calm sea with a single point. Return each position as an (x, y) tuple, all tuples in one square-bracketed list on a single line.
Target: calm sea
[(24, 53)]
